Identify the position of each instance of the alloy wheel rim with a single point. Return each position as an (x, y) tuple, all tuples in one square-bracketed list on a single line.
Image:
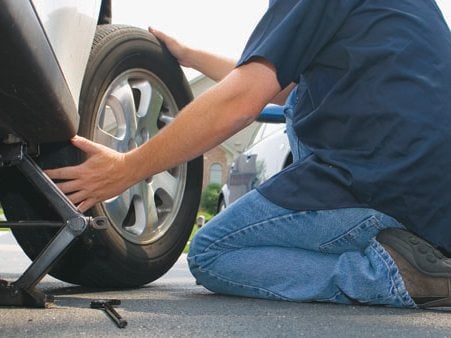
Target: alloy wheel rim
[(135, 106)]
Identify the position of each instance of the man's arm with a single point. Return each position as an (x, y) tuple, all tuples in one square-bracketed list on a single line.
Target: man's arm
[(214, 66), (214, 116)]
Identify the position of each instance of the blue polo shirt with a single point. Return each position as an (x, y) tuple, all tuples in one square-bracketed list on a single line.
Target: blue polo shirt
[(376, 112)]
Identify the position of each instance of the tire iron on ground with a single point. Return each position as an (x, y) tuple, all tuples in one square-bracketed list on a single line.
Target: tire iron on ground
[(107, 306)]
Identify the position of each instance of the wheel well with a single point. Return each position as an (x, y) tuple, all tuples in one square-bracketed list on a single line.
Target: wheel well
[(220, 199), (288, 160), (105, 13)]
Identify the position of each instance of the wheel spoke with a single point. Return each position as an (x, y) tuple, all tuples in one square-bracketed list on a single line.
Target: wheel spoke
[(165, 182), (149, 109), (105, 138), (145, 210), (145, 91), (110, 127), (118, 208), (126, 114), (152, 211)]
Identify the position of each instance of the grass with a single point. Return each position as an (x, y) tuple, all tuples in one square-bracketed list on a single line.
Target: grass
[(2, 218)]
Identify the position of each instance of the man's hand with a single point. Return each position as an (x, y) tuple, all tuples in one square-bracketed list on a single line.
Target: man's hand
[(102, 176), (178, 50), (214, 66)]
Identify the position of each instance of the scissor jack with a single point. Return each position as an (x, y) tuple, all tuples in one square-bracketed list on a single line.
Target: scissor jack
[(23, 291)]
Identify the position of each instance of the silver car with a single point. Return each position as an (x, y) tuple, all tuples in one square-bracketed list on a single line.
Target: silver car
[(268, 153), (67, 70)]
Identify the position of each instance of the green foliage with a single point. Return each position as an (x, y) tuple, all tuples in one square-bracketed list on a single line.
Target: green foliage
[(208, 217), (206, 214), (209, 199)]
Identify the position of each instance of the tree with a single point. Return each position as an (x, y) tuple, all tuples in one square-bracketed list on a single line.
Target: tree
[(209, 198)]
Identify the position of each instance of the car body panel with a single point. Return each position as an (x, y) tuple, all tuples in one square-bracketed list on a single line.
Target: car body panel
[(43, 55), (70, 26), (268, 153), (271, 149)]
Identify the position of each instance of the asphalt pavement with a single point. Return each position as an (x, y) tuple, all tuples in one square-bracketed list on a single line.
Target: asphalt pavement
[(174, 306)]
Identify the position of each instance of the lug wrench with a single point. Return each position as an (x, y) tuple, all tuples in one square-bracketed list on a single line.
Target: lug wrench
[(107, 306)]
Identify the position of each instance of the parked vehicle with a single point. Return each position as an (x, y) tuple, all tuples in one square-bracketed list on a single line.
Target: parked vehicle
[(268, 153), (65, 70)]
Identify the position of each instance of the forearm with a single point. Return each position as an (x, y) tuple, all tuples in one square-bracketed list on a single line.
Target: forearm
[(205, 123), (198, 128), (214, 66)]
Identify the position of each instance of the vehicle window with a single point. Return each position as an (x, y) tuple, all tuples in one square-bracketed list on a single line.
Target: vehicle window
[(271, 128)]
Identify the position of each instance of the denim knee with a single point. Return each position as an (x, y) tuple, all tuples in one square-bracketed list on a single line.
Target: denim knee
[(197, 259), (199, 244), (200, 241)]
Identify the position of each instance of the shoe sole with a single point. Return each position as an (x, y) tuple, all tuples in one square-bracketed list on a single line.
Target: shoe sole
[(416, 251)]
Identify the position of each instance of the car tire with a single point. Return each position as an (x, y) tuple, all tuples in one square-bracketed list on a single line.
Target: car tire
[(132, 88)]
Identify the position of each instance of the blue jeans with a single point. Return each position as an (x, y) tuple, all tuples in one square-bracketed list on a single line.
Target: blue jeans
[(255, 248)]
